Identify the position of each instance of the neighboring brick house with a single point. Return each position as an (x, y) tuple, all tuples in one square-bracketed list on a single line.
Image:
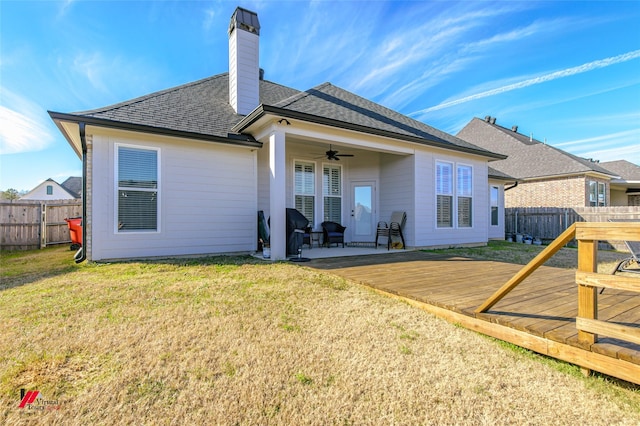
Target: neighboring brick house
[(546, 176), (625, 190)]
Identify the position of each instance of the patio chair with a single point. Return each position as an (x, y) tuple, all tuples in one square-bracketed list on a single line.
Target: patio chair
[(634, 249), (333, 233), (306, 237), (393, 229)]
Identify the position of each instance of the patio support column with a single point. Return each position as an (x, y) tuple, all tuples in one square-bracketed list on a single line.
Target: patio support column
[(277, 192)]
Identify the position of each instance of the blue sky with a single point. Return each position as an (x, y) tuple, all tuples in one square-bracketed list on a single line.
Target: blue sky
[(567, 72)]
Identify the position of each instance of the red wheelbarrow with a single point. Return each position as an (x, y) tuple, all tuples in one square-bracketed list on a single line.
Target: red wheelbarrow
[(75, 231)]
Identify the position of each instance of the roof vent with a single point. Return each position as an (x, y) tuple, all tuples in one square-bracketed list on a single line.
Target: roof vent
[(487, 118), (514, 129), (493, 120)]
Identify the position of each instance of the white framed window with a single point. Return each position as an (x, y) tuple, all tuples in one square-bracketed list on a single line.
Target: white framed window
[(464, 178), (49, 189), (332, 193), (137, 188), (444, 195), (305, 188), (597, 194), (494, 193)]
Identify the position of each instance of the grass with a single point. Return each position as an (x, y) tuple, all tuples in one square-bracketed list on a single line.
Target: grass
[(521, 254), (234, 340)]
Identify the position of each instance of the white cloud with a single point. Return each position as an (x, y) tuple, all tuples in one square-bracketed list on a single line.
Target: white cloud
[(92, 67), (590, 66), (209, 19), (21, 128), (64, 7), (607, 147)]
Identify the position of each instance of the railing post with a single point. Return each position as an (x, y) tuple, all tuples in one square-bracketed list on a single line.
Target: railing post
[(587, 295)]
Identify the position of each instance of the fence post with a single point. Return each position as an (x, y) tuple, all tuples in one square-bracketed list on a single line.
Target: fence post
[(43, 225)]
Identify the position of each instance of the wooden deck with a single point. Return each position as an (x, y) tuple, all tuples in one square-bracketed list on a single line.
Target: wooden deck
[(539, 314)]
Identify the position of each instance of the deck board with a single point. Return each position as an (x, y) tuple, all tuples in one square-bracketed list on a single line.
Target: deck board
[(544, 305)]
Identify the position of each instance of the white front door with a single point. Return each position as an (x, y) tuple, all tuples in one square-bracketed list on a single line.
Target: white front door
[(363, 211)]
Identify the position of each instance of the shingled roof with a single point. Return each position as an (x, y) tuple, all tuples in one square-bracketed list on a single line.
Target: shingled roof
[(73, 185), (202, 108), (527, 158), (625, 170)]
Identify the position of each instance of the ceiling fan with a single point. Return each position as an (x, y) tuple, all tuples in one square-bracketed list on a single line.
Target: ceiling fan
[(333, 155)]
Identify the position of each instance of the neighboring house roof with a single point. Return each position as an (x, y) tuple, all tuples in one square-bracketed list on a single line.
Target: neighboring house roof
[(527, 158), (202, 108), (626, 171), (496, 174), (59, 190), (73, 185)]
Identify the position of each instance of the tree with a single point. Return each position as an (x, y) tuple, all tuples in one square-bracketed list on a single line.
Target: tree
[(10, 194)]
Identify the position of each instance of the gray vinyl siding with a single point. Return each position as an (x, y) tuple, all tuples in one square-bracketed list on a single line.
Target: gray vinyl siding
[(207, 200), (427, 234), (397, 189)]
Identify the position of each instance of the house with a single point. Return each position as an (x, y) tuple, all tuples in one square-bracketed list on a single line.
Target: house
[(546, 176), (70, 189), (185, 170), (625, 189)]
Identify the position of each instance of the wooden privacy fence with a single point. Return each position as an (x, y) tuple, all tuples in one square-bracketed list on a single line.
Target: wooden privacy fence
[(547, 223), (26, 225)]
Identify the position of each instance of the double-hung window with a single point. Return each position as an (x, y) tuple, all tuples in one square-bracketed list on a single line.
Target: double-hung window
[(493, 196), (464, 175), (332, 193), (137, 182), (454, 195), (305, 189), (597, 195), (444, 195)]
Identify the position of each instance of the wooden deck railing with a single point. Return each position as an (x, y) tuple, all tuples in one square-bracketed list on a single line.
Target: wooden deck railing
[(588, 280), (588, 234), (543, 256)]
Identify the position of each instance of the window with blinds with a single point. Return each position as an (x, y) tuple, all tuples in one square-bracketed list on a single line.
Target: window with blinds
[(332, 193), (305, 189), (465, 191), (137, 200), (444, 195)]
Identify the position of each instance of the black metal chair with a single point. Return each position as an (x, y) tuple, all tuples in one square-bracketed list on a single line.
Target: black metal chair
[(306, 237), (333, 233)]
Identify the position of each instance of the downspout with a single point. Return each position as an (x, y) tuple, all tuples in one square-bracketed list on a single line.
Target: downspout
[(81, 254), (511, 187)]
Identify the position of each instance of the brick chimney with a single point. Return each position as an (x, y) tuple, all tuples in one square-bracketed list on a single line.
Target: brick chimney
[(244, 69)]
